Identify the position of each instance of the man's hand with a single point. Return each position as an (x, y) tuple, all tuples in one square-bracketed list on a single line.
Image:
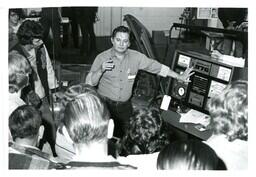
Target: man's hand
[(33, 99), (57, 96), (107, 65), (185, 76)]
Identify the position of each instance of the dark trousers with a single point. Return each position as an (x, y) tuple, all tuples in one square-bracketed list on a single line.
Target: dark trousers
[(50, 20), (49, 126), (120, 112), (88, 38), (70, 12), (74, 33)]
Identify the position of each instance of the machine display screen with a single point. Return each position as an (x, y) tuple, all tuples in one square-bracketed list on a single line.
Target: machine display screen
[(184, 60)]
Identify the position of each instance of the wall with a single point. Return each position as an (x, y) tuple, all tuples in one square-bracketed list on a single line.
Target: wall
[(159, 18), (152, 18), (155, 18)]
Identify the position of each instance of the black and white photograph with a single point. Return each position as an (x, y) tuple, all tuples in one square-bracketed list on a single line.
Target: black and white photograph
[(118, 86)]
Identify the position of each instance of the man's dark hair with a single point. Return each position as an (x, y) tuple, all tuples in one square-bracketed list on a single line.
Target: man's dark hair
[(122, 29), (29, 30), (189, 155), (18, 11), (24, 122), (232, 14)]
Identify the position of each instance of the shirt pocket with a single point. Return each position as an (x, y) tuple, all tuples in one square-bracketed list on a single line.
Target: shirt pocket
[(111, 74)]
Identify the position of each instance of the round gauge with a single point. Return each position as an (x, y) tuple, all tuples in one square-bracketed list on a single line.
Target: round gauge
[(181, 91)]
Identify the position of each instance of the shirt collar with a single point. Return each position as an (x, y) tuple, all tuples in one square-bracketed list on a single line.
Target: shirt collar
[(14, 95), (24, 146), (113, 54)]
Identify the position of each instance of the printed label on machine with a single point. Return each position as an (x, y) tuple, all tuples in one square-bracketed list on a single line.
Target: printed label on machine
[(224, 73), (215, 89)]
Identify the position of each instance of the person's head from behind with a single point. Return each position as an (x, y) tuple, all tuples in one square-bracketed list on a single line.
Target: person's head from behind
[(120, 39), (70, 94), (231, 18), (30, 33), (86, 117), (144, 135), (228, 111), (189, 155), (25, 125), (19, 70), (14, 16)]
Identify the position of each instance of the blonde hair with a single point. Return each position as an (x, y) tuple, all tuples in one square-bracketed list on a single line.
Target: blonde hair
[(86, 118), (18, 68), (229, 113)]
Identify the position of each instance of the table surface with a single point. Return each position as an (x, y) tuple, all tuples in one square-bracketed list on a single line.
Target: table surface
[(218, 34), (173, 118), (213, 34)]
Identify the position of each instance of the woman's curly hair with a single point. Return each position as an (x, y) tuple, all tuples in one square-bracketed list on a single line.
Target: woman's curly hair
[(229, 113), (144, 134), (29, 30)]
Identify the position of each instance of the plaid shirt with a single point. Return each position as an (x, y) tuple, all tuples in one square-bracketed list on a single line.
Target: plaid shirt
[(22, 157), (99, 165)]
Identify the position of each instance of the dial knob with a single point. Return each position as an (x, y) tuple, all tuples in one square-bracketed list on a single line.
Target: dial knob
[(181, 91)]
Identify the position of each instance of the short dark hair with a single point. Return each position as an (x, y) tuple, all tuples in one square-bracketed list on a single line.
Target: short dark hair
[(189, 155), (18, 11), (232, 14), (29, 30), (122, 29), (24, 122)]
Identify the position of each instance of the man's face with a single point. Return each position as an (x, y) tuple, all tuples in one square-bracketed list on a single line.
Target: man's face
[(121, 42), (14, 18)]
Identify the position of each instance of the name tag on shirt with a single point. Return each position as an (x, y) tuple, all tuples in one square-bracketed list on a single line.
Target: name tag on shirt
[(131, 77)]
